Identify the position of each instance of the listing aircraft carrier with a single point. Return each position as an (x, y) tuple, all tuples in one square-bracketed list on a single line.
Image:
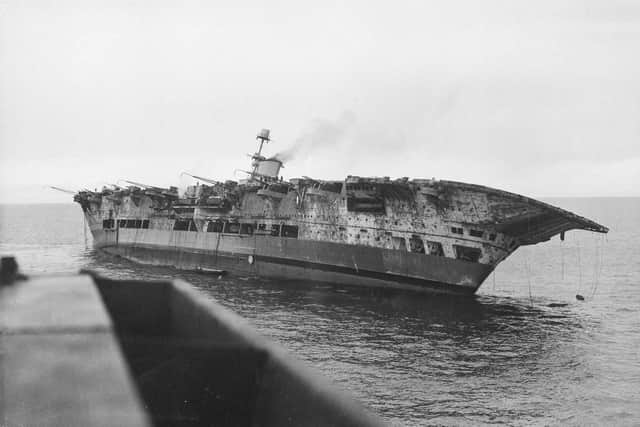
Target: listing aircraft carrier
[(421, 234)]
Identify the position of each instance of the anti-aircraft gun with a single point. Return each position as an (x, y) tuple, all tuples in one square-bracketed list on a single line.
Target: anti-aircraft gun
[(218, 196), (162, 198), (150, 190)]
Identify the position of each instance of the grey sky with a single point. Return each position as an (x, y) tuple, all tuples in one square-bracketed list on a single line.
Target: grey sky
[(540, 98)]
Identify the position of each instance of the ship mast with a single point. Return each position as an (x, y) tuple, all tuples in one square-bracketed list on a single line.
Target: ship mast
[(263, 137)]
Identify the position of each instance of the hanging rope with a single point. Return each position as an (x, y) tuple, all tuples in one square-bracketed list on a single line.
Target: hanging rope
[(599, 262), (562, 260), (578, 296), (84, 230), (526, 260), (595, 266), (528, 280)]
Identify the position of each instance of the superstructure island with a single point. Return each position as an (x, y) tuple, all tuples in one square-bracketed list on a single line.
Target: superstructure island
[(419, 234)]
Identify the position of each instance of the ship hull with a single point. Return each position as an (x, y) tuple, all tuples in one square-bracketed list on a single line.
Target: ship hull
[(424, 235), (284, 258)]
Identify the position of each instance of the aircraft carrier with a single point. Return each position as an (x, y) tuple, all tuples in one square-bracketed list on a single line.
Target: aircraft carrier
[(419, 234)]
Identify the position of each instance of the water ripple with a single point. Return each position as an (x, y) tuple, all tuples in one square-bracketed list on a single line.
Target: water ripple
[(523, 352)]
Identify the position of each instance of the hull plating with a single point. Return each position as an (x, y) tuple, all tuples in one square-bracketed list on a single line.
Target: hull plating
[(286, 258)]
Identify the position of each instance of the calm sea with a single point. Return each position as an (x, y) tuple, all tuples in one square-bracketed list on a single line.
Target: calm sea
[(505, 357)]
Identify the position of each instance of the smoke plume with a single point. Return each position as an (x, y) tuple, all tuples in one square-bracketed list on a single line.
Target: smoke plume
[(321, 133)]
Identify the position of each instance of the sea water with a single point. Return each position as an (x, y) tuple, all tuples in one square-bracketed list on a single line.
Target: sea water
[(524, 351)]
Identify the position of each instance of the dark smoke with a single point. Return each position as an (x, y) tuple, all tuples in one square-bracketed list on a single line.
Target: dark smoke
[(321, 133)]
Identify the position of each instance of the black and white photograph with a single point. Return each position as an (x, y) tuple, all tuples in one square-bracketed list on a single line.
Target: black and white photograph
[(303, 213)]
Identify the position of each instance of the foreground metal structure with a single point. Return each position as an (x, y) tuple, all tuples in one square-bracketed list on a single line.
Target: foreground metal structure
[(420, 234), (89, 351)]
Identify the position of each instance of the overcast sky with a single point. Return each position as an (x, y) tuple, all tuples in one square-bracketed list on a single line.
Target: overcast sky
[(540, 98)]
